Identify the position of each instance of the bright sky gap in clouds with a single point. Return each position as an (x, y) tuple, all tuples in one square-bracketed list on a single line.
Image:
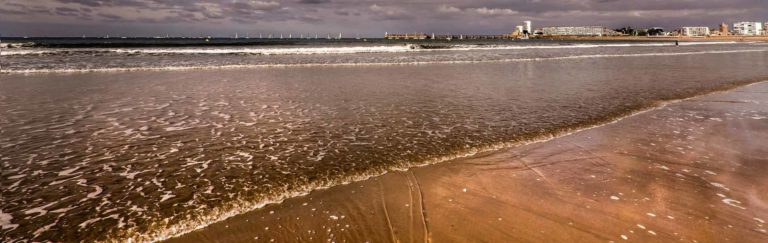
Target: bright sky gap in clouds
[(364, 17)]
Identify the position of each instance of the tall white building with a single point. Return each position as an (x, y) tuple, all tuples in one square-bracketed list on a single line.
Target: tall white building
[(695, 31), (748, 28), (528, 26)]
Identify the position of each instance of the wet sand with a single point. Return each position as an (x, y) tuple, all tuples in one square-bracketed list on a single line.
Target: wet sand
[(692, 171)]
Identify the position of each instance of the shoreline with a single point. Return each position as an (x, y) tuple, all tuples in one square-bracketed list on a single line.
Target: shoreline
[(292, 206), (480, 152)]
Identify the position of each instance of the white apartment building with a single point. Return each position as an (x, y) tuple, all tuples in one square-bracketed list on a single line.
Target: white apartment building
[(748, 28), (528, 26), (695, 31)]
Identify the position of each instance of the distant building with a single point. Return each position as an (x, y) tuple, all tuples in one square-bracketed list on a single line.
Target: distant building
[(765, 28), (579, 31), (527, 27), (748, 28), (695, 31), (412, 36), (517, 32), (724, 28), (722, 31)]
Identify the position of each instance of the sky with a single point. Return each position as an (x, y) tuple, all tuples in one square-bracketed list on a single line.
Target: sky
[(369, 18)]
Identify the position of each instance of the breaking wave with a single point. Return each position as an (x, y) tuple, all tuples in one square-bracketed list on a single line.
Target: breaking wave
[(324, 50), (277, 65)]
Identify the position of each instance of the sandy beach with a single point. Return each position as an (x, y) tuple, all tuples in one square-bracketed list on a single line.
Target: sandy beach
[(691, 171)]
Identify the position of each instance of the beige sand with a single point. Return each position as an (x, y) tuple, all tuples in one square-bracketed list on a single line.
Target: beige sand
[(693, 171)]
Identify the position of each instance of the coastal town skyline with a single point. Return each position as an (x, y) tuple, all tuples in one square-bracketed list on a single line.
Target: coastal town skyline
[(353, 18)]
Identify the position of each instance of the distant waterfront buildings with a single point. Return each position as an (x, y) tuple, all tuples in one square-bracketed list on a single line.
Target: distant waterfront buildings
[(527, 30), (748, 28), (579, 31), (695, 31)]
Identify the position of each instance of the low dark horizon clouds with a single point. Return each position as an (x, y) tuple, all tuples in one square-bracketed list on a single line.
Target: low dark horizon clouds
[(363, 17)]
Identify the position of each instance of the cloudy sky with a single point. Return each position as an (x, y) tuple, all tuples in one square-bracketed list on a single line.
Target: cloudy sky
[(364, 17)]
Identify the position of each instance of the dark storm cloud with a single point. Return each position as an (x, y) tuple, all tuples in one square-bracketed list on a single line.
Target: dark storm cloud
[(367, 16), (314, 1), (11, 11), (111, 17), (104, 3), (64, 11)]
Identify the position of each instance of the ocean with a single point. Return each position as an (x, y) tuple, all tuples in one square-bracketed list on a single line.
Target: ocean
[(109, 140)]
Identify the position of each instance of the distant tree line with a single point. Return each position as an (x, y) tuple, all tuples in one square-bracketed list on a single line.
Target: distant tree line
[(640, 32)]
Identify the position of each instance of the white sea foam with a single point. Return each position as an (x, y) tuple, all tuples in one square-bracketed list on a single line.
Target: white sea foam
[(40, 211), (14, 185), (166, 196), (97, 191), (68, 171), (93, 220), (6, 221), (718, 185), (250, 66), (11, 45), (220, 51), (733, 203), (271, 51), (27, 52)]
